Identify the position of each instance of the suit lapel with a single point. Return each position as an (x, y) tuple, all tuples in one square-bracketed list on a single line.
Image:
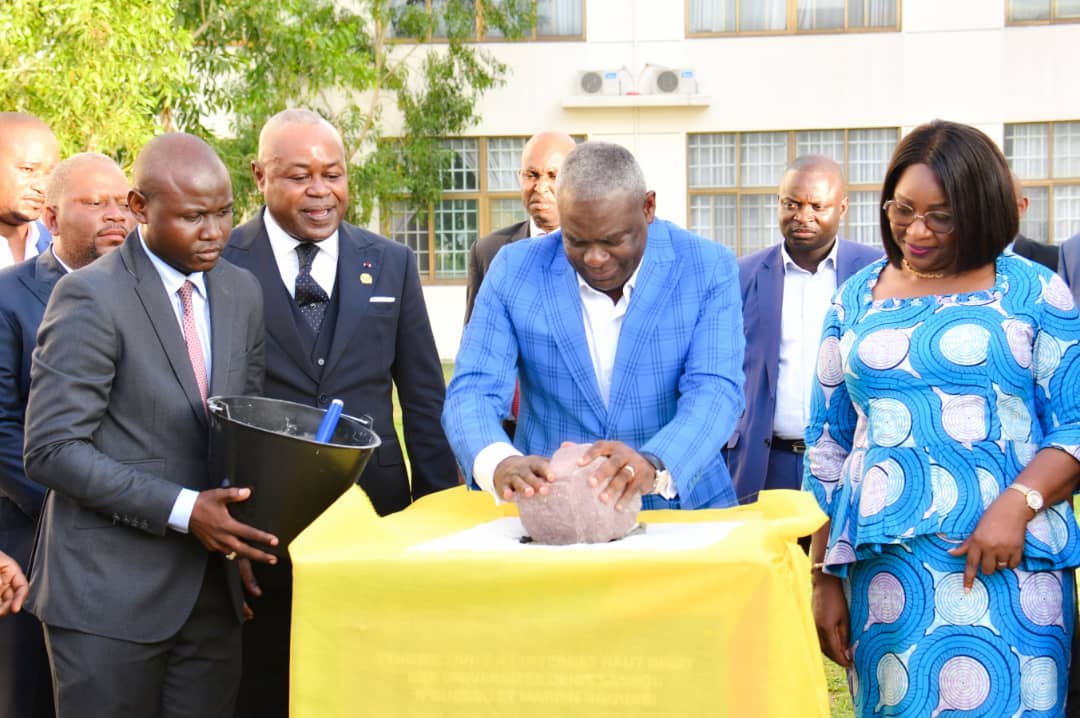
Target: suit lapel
[(652, 291), (845, 263), (151, 295), (522, 232), (223, 323), (563, 306), (356, 256), (47, 272), (770, 289)]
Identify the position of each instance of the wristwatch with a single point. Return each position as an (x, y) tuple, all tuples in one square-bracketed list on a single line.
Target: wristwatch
[(662, 478), (1033, 498)]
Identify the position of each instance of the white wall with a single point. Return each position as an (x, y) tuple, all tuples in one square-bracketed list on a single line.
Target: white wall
[(953, 59)]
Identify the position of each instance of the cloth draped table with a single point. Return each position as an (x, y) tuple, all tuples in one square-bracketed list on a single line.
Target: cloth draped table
[(440, 610)]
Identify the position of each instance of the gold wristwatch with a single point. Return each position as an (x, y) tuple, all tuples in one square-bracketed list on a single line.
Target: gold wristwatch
[(1033, 498)]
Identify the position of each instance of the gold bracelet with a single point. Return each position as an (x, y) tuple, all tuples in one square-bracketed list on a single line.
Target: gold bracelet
[(817, 567)]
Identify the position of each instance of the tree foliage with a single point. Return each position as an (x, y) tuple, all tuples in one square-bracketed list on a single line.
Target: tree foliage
[(108, 74)]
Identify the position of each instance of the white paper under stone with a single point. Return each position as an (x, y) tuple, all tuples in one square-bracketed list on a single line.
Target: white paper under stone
[(504, 536)]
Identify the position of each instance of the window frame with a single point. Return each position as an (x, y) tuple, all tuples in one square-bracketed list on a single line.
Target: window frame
[(792, 23), (483, 199), (738, 191), (1051, 20), (479, 36), (1050, 182)]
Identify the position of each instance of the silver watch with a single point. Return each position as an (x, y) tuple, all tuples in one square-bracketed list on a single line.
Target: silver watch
[(662, 477)]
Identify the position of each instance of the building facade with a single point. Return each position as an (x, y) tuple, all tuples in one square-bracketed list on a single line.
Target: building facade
[(714, 97)]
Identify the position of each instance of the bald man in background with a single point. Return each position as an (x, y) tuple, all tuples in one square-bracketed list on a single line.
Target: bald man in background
[(28, 152), (132, 574), (541, 159), (86, 211)]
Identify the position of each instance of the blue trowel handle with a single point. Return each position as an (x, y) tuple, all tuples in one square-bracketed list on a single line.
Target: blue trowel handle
[(329, 421)]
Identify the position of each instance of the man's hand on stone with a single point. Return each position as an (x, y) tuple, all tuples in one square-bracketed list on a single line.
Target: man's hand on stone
[(629, 471)]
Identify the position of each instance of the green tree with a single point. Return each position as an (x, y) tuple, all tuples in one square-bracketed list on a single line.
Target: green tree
[(108, 74), (103, 73)]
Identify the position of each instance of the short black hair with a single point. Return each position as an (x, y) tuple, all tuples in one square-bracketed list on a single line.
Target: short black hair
[(978, 186)]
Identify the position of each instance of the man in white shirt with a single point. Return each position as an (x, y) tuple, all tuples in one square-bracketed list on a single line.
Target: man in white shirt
[(541, 159), (28, 152), (786, 290)]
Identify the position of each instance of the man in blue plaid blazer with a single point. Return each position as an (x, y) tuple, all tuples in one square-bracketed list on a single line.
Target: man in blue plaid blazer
[(624, 331)]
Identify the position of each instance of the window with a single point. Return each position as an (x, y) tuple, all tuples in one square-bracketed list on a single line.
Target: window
[(555, 19), (721, 17), (1046, 158), (733, 178), (480, 194), (1041, 11)]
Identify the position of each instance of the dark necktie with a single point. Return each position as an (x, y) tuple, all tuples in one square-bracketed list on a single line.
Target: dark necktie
[(310, 297)]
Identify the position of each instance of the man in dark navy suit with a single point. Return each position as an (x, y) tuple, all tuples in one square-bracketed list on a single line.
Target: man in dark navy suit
[(345, 318), (86, 212)]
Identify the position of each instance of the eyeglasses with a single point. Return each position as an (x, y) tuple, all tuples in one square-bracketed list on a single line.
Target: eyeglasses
[(901, 215)]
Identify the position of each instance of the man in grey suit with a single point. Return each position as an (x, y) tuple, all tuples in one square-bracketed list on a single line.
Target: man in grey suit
[(541, 159), (130, 575)]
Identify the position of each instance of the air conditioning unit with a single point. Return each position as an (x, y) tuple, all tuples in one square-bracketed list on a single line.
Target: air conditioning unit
[(669, 81), (599, 82)]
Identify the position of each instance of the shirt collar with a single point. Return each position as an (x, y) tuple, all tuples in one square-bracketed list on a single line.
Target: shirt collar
[(171, 277), (284, 243), (536, 230), (67, 269), (627, 290), (828, 263)]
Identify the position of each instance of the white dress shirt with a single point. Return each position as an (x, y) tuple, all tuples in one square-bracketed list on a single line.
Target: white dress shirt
[(806, 301), (172, 279), (323, 267), (603, 322), (29, 250), (536, 230)]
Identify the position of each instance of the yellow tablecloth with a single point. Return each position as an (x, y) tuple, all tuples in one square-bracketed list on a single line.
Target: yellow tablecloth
[(400, 616)]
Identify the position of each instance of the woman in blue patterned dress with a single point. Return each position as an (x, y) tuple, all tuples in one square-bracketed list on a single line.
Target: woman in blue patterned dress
[(944, 445)]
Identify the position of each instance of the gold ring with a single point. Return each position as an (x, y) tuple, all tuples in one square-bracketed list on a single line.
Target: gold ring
[(1002, 564), (231, 556), (629, 468)]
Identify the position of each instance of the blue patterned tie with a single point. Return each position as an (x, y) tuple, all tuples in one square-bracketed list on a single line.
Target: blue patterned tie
[(310, 297)]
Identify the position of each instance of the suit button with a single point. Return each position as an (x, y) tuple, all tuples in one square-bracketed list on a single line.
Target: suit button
[(320, 361), (323, 399)]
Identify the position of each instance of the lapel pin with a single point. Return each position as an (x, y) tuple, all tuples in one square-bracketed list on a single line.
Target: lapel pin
[(367, 265), (365, 278)]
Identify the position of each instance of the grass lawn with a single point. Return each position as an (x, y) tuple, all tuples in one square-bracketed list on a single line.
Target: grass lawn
[(839, 698)]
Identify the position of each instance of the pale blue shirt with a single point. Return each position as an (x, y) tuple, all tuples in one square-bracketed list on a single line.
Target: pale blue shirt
[(172, 279)]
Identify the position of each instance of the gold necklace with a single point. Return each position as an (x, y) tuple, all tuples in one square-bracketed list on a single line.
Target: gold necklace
[(919, 275)]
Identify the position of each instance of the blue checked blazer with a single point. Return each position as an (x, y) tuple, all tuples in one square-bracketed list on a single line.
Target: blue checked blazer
[(677, 382)]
